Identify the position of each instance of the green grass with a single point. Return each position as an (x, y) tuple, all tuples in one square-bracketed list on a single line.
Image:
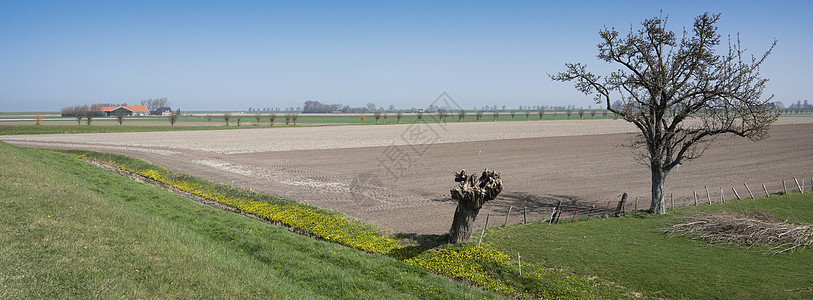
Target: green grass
[(69, 229), (634, 252)]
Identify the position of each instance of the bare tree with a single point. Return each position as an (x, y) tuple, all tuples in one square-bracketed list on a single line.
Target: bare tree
[(604, 113), (513, 114), (38, 119), (527, 115), (238, 121), (496, 115), (361, 116), (88, 116), (712, 93), (398, 116), (581, 113), (288, 119), (173, 117), (377, 115), (227, 117), (384, 115), (478, 115), (272, 117), (541, 113), (208, 119), (120, 116), (593, 113), (257, 117), (294, 116), (420, 116), (461, 114), (471, 193), (568, 112)]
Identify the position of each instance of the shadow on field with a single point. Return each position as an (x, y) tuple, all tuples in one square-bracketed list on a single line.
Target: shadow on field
[(423, 242)]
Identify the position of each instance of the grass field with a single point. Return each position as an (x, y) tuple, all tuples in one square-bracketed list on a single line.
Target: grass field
[(634, 252), (69, 229)]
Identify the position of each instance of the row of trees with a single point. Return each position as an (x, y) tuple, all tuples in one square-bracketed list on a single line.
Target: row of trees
[(84, 109), (155, 104)]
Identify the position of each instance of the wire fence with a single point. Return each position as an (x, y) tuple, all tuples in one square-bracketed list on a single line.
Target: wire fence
[(564, 213)]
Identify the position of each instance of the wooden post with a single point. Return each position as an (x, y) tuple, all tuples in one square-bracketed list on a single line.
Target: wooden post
[(707, 193), (798, 186), (784, 187), (525, 214), (766, 191), (484, 231), (557, 212), (722, 197), (636, 205), (507, 215), (735, 193), (749, 190), (622, 206), (695, 198), (672, 199)]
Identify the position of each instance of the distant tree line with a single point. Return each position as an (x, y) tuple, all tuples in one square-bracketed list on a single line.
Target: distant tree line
[(84, 109), (155, 104)]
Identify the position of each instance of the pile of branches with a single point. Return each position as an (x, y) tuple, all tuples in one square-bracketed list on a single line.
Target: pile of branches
[(746, 229)]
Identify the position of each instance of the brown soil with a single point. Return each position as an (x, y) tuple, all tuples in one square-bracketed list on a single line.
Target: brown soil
[(414, 198)]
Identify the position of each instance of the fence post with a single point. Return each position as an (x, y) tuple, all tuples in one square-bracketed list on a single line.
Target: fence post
[(636, 205), (784, 187), (767, 195), (736, 194), (525, 215), (722, 197), (672, 199), (507, 215), (749, 190), (707, 193), (519, 260), (695, 198), (484, 232), (798, 186)]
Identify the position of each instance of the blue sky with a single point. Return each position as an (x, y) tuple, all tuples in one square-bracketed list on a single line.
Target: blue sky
[(238, 54)]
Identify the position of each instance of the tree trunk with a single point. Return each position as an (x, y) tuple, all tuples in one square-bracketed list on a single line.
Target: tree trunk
[(658, 178), (471, 193), (464, 216)]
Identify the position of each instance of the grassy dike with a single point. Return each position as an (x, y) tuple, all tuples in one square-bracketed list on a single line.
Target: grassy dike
[(69, 229), (484, 267), (635, 252)]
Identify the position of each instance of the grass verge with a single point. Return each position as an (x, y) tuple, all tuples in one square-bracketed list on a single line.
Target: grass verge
[(69, 229), (635, 252)]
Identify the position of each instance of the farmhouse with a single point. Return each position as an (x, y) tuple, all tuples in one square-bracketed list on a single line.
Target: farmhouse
[(126, 110)]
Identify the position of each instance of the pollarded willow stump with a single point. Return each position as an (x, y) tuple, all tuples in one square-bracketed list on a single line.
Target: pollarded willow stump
[(471, 193)]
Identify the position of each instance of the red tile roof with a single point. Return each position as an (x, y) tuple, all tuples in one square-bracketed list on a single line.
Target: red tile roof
[(137, 109)]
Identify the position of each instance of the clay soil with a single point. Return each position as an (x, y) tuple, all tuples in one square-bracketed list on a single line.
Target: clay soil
[(399, 176)]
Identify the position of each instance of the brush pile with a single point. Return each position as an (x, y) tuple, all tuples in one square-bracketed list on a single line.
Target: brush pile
[(750, 230)]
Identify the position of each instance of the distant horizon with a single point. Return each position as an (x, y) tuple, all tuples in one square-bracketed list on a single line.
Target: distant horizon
[(270, 54)]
